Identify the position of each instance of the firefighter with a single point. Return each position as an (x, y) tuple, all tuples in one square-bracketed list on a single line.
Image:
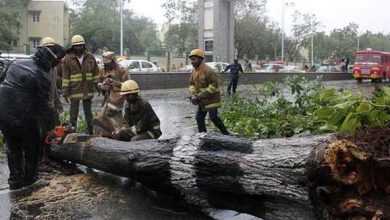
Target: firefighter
[(142, 121), (111, 77), (79, 77), (54, 96), (25, 110), (54, 80), (205, 92)]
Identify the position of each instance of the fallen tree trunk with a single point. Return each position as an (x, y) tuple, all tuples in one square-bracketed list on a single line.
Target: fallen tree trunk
[(297, 178)]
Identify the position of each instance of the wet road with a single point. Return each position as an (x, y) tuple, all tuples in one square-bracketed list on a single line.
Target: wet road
[(123, 202)]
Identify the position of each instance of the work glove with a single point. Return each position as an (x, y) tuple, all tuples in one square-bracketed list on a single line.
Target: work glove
[(103, 87), (195, 100)]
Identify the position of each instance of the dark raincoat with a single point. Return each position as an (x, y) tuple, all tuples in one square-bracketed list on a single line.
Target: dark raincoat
[(24, 110)]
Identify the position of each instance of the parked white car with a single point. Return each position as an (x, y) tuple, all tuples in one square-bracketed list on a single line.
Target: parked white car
[(7, 58), (217, 66), (291, 69), (271, 68), (143, 66)]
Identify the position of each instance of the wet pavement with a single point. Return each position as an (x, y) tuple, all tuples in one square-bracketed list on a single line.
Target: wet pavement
[(90, 194)]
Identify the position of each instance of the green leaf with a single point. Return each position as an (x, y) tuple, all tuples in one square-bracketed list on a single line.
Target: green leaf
[(350, 124)]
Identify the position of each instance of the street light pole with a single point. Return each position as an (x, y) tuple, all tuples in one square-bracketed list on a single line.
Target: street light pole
[(312, 44), (358, 42), (121, 31), (283, 8)]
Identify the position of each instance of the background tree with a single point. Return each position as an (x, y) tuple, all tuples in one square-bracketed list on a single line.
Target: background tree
[(322, 50), (10, 14), (344, 41), (252, 29), (182, 34), (98, 22), (304, 26)]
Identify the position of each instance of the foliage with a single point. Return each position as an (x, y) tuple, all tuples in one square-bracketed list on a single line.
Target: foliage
[(252, 29), (304, 27), (182, 33), (98, 21), (10, 14), (81, 123), (344, 41), (309, 107)]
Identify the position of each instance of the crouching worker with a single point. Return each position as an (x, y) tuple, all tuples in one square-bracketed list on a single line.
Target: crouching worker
[(142, 121)]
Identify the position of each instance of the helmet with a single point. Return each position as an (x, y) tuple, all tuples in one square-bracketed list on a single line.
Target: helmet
[(108, 56), (197, 52), (129, 87), (48, 41), (77, 40)]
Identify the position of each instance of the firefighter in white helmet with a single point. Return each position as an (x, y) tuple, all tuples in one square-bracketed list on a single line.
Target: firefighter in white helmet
[(111, 77), (142, 121)]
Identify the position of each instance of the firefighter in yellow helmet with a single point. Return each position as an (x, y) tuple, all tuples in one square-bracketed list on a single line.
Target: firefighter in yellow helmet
[(79, 78), (205, 92), (142, 121), (54, 95)]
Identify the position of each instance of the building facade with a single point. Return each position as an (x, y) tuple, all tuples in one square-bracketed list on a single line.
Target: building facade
[(216, 29), (42, 18)]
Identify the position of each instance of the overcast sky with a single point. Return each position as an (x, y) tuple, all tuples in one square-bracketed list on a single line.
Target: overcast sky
[(370, 15)]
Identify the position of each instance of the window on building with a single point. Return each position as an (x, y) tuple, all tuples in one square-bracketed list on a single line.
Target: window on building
[(35, 16), (208, 45), (35, 42)]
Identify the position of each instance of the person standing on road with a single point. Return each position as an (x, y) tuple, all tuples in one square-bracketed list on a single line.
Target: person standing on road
[(142, 121), (54, 97), (235, 69), (25, 110), (247, 66), (111, 77), (204, 87), (80, 76), (346, 64)]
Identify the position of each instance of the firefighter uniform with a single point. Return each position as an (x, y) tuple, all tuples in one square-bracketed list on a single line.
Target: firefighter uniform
[(79, 77), (111, 77), (141, 119), (203, 85)]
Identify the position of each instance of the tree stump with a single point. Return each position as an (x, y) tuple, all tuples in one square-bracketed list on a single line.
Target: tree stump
[(314, 177)]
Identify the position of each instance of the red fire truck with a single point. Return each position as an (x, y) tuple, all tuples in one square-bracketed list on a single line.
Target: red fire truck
[(371, 64)]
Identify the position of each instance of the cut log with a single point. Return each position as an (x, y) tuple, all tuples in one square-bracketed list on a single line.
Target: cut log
[(316, 177)]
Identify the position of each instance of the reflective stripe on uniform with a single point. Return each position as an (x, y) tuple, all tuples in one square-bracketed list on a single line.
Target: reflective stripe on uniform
[(211, 89), (192, 89), (65, 83), (96, 79), (214, 105)]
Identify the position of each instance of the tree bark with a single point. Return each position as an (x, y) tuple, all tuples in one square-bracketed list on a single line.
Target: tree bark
[(297, 178)]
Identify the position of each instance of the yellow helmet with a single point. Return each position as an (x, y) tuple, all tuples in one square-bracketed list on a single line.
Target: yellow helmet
[(197, 52), (129, 87), (77, 40), (48, 41)]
